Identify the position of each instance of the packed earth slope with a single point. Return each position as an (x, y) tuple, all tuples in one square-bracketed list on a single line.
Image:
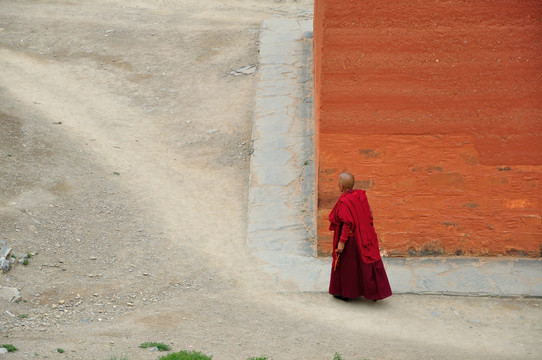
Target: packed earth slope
[(125, 141)]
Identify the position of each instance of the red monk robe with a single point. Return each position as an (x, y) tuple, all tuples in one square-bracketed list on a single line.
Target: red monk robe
[(359, 271)]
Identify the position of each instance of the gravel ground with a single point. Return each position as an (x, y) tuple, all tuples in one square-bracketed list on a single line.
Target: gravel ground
[(124, 151)]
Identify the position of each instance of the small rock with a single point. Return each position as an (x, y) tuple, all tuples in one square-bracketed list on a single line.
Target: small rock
[(10, 294), (212, 131), (129, 304), (93, 258), (245, 70), (3, 350), (61, 302), (5, 251), (4, 264), (154, 348)]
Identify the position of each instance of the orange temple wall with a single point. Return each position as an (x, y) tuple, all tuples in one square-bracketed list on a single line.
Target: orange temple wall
[(436, 108)]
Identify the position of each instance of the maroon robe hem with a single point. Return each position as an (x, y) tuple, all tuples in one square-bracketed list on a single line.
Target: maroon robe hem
[(353, 278)]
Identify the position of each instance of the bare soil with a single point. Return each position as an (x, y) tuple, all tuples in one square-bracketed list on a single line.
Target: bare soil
[(124, 161)]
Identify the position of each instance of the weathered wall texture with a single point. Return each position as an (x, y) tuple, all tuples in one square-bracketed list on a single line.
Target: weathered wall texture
[(436, 107)]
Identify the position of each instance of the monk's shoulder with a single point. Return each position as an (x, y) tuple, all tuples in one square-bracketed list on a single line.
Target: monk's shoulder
[(356, 194)]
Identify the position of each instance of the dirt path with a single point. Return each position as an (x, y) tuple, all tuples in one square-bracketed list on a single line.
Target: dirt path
[(124, 149)]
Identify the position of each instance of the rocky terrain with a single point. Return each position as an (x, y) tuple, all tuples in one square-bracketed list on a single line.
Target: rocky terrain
[(125, 139)]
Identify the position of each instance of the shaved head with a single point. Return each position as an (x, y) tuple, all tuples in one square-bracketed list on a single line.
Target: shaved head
[(346, 180)]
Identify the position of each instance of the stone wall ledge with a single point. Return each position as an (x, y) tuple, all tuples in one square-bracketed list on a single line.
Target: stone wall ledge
[(480, 276)]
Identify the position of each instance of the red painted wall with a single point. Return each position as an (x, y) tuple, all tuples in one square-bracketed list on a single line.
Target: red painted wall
[(436, 108)]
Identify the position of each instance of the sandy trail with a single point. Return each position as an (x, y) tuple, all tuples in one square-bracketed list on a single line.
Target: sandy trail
[(143, 91), (183, 197)]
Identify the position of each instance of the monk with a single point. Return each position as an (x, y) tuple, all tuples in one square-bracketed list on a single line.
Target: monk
[(357, 268)]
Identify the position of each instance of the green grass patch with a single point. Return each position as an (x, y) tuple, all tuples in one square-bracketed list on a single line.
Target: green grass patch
[(186, 355), (59, 350), (114, 357), (258, 358), (25, 262), (160, 346), (22, 316), (337, 356), (9, 347)]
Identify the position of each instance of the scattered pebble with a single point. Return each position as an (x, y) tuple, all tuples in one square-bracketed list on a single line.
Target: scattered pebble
[(4, 264), (10, 294), (245, 70)]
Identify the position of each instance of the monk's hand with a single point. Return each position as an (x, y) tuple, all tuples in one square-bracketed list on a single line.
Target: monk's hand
[(340, 247)]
